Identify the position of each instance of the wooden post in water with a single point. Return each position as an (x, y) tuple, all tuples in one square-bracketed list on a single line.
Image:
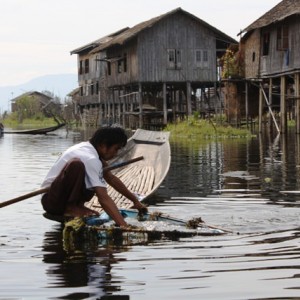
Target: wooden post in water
[(260, 109), (140, 99), (188, 96), (297, 96), (247, 104), (113, 108), (165, 119), (270, 103), (283, 112), (118, 112)]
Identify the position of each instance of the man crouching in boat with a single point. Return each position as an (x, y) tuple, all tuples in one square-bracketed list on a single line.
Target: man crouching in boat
[(78, 175)]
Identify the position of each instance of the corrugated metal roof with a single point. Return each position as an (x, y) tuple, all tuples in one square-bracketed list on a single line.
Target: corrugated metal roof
[(282, 10), (134, 31)]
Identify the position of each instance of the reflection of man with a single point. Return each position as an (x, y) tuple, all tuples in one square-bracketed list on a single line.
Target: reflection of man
[(78, 175), (85, 274)]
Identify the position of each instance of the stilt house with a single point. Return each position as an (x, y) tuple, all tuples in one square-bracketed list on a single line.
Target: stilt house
[(150, 74), (272, 64)]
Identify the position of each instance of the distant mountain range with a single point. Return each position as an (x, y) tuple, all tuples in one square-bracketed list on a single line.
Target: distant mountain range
[(58, 84)]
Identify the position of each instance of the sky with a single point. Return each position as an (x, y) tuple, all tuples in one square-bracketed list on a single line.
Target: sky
[(37, 36)]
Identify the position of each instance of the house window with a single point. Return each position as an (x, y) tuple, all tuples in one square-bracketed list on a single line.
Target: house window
[(97, 63), (81, 67), (198, 57), (266, 43), (97, 87), (109, 68), (205, 58), (171, 58), (174, 58), (119, 68), (125, 63), (201, 58), (253, 56), (178, 59), (122, 63), (86, 66), (92, 89), (282, 37)]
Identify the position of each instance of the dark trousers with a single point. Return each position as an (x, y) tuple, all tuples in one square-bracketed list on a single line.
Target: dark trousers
[(67, 188)]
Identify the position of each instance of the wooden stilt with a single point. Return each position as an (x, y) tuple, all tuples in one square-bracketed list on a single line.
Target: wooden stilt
[(260, 109), (283, 112), (165, 121), (297, 95), (269, 106), (140, 100), (247, 104), (270, 101), (188, 98)]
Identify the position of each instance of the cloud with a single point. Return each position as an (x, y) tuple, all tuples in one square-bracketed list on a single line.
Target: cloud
[(36, 36), (33, 60)]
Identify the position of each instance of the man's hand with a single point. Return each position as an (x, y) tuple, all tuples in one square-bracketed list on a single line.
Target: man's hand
[(140, 207)]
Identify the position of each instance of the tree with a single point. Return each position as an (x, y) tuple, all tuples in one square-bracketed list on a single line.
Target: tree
[(232, 63), (26, 107)]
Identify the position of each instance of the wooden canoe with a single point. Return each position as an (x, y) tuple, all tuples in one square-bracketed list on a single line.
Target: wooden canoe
[(145, 176), (35, 131)]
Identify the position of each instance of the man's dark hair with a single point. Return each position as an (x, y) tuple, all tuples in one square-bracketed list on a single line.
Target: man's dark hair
[(109, 136)]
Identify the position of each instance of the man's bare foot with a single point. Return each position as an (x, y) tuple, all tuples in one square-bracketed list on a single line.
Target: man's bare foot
[(79, 211)]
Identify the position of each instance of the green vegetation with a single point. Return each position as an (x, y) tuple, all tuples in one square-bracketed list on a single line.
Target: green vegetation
[(37, 110), (41, 121), (232, 63), (199, 129)]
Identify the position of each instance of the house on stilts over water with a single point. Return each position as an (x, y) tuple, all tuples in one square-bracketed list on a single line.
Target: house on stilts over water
[(151, 74), (269, 51)]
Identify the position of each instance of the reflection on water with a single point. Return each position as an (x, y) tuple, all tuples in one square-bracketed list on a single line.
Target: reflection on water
[(248, 186), (86, 269)]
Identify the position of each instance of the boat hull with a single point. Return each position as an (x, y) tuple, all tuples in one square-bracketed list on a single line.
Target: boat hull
[(145, 176), (35, 131)]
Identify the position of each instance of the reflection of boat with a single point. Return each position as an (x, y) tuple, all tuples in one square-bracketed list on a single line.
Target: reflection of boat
[(144, 176), (36, 131)]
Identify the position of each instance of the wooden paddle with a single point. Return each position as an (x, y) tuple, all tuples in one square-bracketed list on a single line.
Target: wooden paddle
[(44, 190)]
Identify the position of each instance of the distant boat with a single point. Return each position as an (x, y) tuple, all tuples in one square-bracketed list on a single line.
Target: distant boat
[(35, 131)]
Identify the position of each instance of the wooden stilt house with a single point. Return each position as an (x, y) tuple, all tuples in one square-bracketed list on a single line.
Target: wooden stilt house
[(272, 65), (154, 72)]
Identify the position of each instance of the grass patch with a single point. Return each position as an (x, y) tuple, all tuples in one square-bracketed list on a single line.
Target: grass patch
[(29, 123), (195, 129)]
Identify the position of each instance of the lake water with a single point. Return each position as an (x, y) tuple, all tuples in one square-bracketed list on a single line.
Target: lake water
[(240, 185)]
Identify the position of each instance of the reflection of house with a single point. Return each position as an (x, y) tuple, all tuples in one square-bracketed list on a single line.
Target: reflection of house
[(150, 73), (272, 62)]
